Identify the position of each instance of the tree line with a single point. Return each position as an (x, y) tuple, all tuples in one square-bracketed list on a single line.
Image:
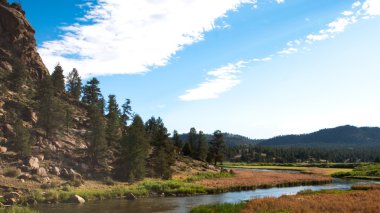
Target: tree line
[(117, 138)]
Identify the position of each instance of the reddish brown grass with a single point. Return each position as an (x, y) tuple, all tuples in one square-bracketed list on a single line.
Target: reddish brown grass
[(359, 201), (257, 179), (366, 187)]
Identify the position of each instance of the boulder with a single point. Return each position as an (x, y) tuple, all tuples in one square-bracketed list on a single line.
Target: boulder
[(25, 176), (42, 172), (55, 171), (33, 163), (9, 130), (75, 175), (40, 157), (3, 140), (3, 149), (78, 199)]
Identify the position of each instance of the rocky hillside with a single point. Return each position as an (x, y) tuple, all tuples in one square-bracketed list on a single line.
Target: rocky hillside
[(17, 40)]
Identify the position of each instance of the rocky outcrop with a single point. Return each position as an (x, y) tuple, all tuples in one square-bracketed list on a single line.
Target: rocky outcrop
[(17, 41), (78, 199)]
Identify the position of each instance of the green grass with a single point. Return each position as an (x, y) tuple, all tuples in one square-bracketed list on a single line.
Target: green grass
[(319, 165), (219, 208), (17, 209), (364, 171), (148, 187), (209, 175)]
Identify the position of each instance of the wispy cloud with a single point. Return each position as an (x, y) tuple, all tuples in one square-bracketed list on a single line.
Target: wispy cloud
[(223, 79), (118, 37), (280, 1)]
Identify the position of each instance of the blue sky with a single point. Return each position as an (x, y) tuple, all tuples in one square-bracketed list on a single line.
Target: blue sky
[(255, 68)]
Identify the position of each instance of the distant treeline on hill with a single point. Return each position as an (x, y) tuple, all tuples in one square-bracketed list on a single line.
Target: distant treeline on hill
[(340, 144)]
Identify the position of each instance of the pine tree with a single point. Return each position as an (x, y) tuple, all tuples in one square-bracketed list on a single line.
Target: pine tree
[(192, 139), (74, 84), (21, 139), (217, 148), (202, 147), (51, 116), (58, 79), (92, 95), (135, 147), (18, 75), (97, 137), (186, 150), (113, 132), (68, 111), (164, 154), (177, 141), (126, 114)]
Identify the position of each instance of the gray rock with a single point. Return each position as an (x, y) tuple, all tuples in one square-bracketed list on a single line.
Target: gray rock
[(56, 171), (42, 172), (34, 163)]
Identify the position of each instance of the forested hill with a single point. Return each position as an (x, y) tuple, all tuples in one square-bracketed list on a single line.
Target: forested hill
[(231, 140), (339, 137)]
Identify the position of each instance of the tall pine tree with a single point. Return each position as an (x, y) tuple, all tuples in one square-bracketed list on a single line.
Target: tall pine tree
[(97, 146), (21, 139), (58, 79), (113, 132), (49, 108), (202, 150), (217, 148), (92, 95), (192, 140), (74, 84), (177, 141), (135, 145)]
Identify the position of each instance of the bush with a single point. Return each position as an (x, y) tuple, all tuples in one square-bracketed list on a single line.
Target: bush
[(12, 172), (108, 181)]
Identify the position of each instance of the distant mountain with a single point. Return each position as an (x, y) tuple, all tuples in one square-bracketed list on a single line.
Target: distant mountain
[(339, 137), (231, 140)]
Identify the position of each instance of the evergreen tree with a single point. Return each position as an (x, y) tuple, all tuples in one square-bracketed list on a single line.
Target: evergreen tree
[(177, 141), (97, 137), (21, 139), (68, 111), (92, 95), (51, 116), (186, 150), (74, 84), (127, 112), (135, 147), (58, 79), (192, 139), (202, 147), (113, 131), (163, 156), (18, 75), (217, 148)]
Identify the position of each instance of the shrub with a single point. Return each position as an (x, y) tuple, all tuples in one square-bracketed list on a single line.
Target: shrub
[(12, 172)]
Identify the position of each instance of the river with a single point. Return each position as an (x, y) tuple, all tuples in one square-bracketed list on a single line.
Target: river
[(184, 204)]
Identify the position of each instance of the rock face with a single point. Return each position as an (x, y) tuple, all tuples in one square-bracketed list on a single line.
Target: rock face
[(33, 163), (17, 40)]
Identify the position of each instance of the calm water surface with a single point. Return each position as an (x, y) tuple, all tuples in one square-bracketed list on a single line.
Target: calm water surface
[(184, 204)]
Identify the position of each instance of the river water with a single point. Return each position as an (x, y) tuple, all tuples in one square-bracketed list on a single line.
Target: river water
[(184, 204)]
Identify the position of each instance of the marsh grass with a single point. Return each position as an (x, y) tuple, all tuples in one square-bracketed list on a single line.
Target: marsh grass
[(322, 201), (219, 208), (209, 175)]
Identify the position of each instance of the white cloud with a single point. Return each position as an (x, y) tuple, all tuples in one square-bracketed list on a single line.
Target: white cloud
[(266, 59), (372, 7), (223, 79), (356, 4), (117, 37), (287, 51), (280, 1)]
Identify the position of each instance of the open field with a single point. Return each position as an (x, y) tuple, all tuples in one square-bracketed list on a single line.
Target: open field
[(302, 169), (329, 201), (247, 179)]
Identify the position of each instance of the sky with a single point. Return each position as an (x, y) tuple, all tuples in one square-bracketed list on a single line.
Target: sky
[(258, 68)]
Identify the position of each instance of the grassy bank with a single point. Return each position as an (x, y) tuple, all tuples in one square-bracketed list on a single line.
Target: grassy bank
[(364, 171), (17, 209)]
